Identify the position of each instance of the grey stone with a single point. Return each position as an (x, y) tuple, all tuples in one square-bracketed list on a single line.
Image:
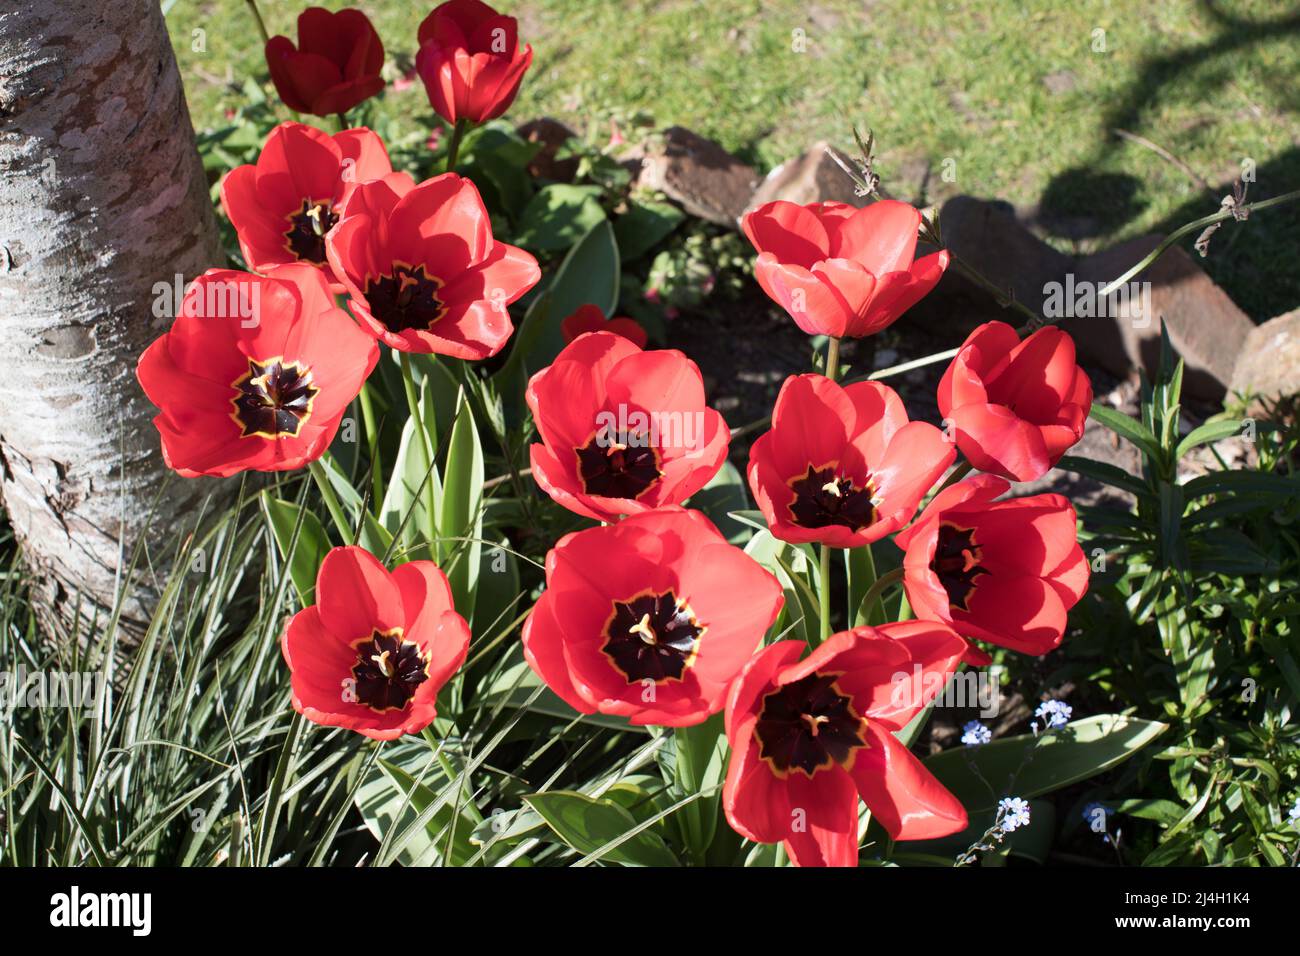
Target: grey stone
[(698, 175), (1269, 364), (811, 177)]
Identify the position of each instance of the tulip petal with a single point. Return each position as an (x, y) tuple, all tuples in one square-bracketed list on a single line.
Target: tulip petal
[(754, 798), (905, 797), (880, 236), (813, 304), (792, 234), (997, 440), (356, 595), (824, 819), (543, 649)]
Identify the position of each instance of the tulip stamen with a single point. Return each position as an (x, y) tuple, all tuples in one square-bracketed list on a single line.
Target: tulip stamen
[(305, 237), (814, 722), (381, 660), (653, 637), (809, 725), (643, 628), (824, 499), (388, 671), (317, 220)]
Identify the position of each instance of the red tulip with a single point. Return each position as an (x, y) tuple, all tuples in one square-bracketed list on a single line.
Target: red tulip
[(283, 206), (841, 271), (590, 318), (649, 618), (808, 737), (1016, 407), (255, 373), (842, 466), (470, 61), (422, 269), (335, 65), (623, 431), (1005, 572), (376, 648)]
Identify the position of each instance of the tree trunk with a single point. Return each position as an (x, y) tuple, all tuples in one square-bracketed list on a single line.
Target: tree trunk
[(102, 197)]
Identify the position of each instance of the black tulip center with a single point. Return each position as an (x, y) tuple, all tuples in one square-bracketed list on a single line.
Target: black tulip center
[(307, 228), (388, 671), (823, 499), (957, 564), (653, 637), (809, 725), (273, 399), (618, 465), (406, 300)]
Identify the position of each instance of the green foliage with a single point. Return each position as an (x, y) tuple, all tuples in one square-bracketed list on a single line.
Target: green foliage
[(705, 259), (188, 752), (1192, 620), (1189, 77), (559, 215), (1033, 765), (1185, 651)]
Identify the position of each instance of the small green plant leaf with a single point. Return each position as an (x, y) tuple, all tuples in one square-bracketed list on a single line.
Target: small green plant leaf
[(587, 824), (304, 555), (559, 215), (1129, 428), (1029, 766)]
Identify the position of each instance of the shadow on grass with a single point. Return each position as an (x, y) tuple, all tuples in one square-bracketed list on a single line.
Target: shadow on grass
[(1252, 261)]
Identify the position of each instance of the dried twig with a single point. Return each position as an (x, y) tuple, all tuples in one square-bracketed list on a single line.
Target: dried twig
[(1169, 157)]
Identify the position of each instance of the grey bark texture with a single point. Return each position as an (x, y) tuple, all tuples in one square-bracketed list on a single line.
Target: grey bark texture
[(102, 196)]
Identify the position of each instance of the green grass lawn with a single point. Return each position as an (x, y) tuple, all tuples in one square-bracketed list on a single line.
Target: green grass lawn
[(1023, 96)]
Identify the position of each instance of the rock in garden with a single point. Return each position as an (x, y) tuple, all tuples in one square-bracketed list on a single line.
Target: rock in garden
[(551, 134), (1269, 363), (812, 177), (1205, 326), (698, 175), (989, 237)]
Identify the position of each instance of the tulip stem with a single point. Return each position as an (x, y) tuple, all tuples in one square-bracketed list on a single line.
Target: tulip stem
[(824, 579), (861, 576), (453, 150), (914, 363), (261, 24), (372, 442), (331, 500), (417, 425), (343, 121), (877, 590), (958, 473), (824, 592), (832, 358)]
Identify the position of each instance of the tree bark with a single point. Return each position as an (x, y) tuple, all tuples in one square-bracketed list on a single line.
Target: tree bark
[(102, 197)]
